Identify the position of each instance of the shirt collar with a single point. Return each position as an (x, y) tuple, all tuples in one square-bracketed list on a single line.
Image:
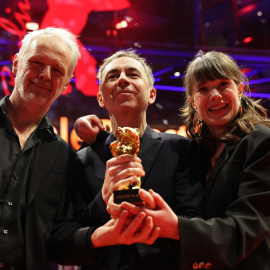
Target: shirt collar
[(3, 105), (44, 128), (110, 139)]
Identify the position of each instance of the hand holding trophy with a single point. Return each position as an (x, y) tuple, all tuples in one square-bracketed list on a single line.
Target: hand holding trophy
[(128, 143)]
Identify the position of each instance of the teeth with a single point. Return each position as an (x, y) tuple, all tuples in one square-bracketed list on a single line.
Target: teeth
[(217, 108)]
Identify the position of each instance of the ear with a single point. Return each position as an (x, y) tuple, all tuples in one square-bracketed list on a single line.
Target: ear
[(240, 89), (192, 102), (153, 95), (66, 85), (100, 99), (15, 64)]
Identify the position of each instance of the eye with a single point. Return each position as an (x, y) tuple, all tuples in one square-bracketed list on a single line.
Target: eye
[(224, 83), (36, 63), (134, 74), (57, 72), (202, 89), (111, 77)]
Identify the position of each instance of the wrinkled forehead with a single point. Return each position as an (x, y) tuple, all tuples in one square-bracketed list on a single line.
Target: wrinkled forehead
[(123, 64), (52, 42), (50, 47)]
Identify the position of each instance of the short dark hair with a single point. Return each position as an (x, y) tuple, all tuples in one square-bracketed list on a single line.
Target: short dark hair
[(127, 53)]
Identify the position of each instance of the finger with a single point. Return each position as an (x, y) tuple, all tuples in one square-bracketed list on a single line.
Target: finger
[(119, 222), (81, 126), (113, 209), (154, 236), (160, 203), (127, 157), (133, 226), (124, 167), (148, 233), (127, 162), (128, 221), (95, 121), (146, 229), (84, 125), (85, 130), (135, 210), (92, 134), (147, 198), (110, 223), (110, 205), (127, 169)]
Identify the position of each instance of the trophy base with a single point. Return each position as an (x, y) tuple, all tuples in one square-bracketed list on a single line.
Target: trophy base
[(127, 195)]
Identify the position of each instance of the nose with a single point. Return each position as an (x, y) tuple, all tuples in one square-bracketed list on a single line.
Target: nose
[(45, 73), (215, 94), (123, 80)]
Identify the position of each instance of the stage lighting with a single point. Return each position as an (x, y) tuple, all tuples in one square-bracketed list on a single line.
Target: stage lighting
[(247, 39), (32, 26), (122, 24)]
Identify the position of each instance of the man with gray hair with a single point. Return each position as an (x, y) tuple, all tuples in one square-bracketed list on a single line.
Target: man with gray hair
[(35, 162), (167, 163)]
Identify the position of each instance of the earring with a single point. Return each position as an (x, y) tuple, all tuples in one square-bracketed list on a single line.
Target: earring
[(197, 124), (240, 110)]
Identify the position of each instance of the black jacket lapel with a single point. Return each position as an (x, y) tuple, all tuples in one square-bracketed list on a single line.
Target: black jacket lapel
[(225, 155), (151, 143), (46, 154)]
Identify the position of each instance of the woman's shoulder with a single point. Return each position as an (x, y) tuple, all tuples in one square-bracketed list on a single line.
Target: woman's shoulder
[(259, 135), (260, 130)]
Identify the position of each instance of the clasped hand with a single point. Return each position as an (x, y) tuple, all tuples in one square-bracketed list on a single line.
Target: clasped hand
[(155, 207), (121, 172)]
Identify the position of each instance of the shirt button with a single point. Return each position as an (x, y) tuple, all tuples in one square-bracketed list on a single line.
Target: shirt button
[(10, 203), (5, 231), (15, 176)]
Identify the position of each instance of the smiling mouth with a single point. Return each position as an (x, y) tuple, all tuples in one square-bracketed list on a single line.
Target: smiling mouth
[(46, 87), (213, 109), (123, 92)]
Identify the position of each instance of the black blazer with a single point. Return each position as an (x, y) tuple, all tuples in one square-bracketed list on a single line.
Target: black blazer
[(50, 212), (235, 234), (49, 209), (171, 169)]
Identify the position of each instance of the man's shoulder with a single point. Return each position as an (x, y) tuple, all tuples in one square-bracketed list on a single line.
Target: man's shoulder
[(100, 140), (173, 136), (82, 151), (87, 150), (60, 143), (171, 140), (90, 157)]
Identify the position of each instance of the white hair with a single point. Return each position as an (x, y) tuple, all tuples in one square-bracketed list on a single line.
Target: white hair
[(63, 34)]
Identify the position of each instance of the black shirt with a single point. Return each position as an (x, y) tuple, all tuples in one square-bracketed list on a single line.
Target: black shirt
[(16, 171)]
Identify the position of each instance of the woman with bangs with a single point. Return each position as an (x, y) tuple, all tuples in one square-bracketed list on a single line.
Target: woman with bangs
[(233, 131)]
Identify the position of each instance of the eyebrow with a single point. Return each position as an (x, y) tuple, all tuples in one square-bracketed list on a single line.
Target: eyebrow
[(204, 82), (115, 70), (43, 58)]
